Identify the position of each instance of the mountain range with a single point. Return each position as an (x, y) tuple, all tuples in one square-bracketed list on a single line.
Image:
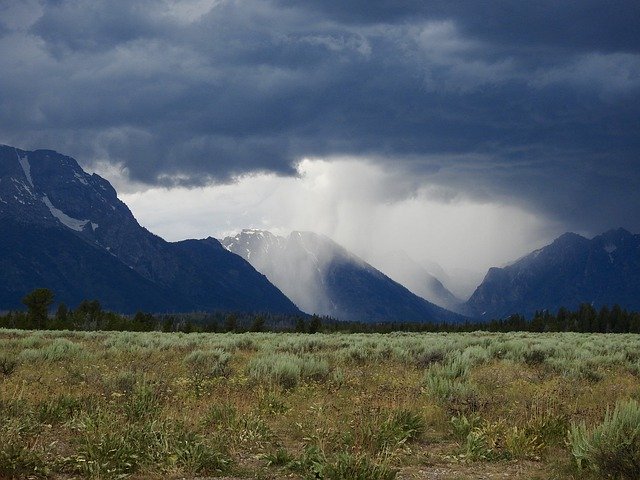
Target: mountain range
[(604, 270), (322, 277), (67, 230)]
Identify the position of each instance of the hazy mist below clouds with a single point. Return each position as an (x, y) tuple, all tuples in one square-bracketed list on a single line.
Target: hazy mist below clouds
[(367, 209)]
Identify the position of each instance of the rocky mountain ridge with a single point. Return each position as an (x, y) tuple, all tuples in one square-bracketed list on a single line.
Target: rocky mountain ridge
[(604, 270), (322, 277), (44, 191)]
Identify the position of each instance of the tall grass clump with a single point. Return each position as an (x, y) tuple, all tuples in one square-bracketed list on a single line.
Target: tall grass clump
[(248, 431), (18, 457), (209, 363), (611, 449), (8, 364), (288, 370), (355, 467), (401, 426), (17, 461), (448, 383), (380, 433), (143, 402), (58, 409), (343, 466), (495, 441), (105, 447)]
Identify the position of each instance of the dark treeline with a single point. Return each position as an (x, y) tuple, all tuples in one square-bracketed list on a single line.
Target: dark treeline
[(585, 319), (89, 316)]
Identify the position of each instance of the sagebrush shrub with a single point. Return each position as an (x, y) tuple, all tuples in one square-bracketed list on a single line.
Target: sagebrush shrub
[(448, 384), (59, 349), (428, 357), (288, 370), (611, 449), (209, 363), (535, 356)]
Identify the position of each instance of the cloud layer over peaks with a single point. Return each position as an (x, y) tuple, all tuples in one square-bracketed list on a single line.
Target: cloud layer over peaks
[(535, 104)]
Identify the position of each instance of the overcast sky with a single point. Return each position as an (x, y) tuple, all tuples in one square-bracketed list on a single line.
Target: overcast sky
[(472, 131)]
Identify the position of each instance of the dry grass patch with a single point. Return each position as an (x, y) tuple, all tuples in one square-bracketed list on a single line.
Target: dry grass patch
[(153, 405)]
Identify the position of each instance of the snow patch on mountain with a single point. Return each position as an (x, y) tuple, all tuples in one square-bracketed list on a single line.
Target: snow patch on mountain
[(26, 168), (610, 248), (72, 223), (80, 178)]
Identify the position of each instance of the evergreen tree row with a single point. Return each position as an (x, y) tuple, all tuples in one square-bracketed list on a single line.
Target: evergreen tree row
[(89, 316)]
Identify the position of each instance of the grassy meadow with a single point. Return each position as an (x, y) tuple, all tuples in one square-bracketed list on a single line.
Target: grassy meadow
[(326, 406)]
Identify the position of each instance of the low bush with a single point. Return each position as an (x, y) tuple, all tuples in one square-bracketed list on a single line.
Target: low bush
[(611, 449), (8, 364), (448, 384), (535, 356), (462, 425), (209, 363), (288, 370), (496, 441), (429, 357), (59, 349)]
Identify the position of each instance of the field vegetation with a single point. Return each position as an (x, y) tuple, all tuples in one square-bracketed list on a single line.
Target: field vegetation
[(320, 406)]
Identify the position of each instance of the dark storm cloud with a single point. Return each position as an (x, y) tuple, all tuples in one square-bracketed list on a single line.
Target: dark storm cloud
[(531, 102), (589, 25)]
